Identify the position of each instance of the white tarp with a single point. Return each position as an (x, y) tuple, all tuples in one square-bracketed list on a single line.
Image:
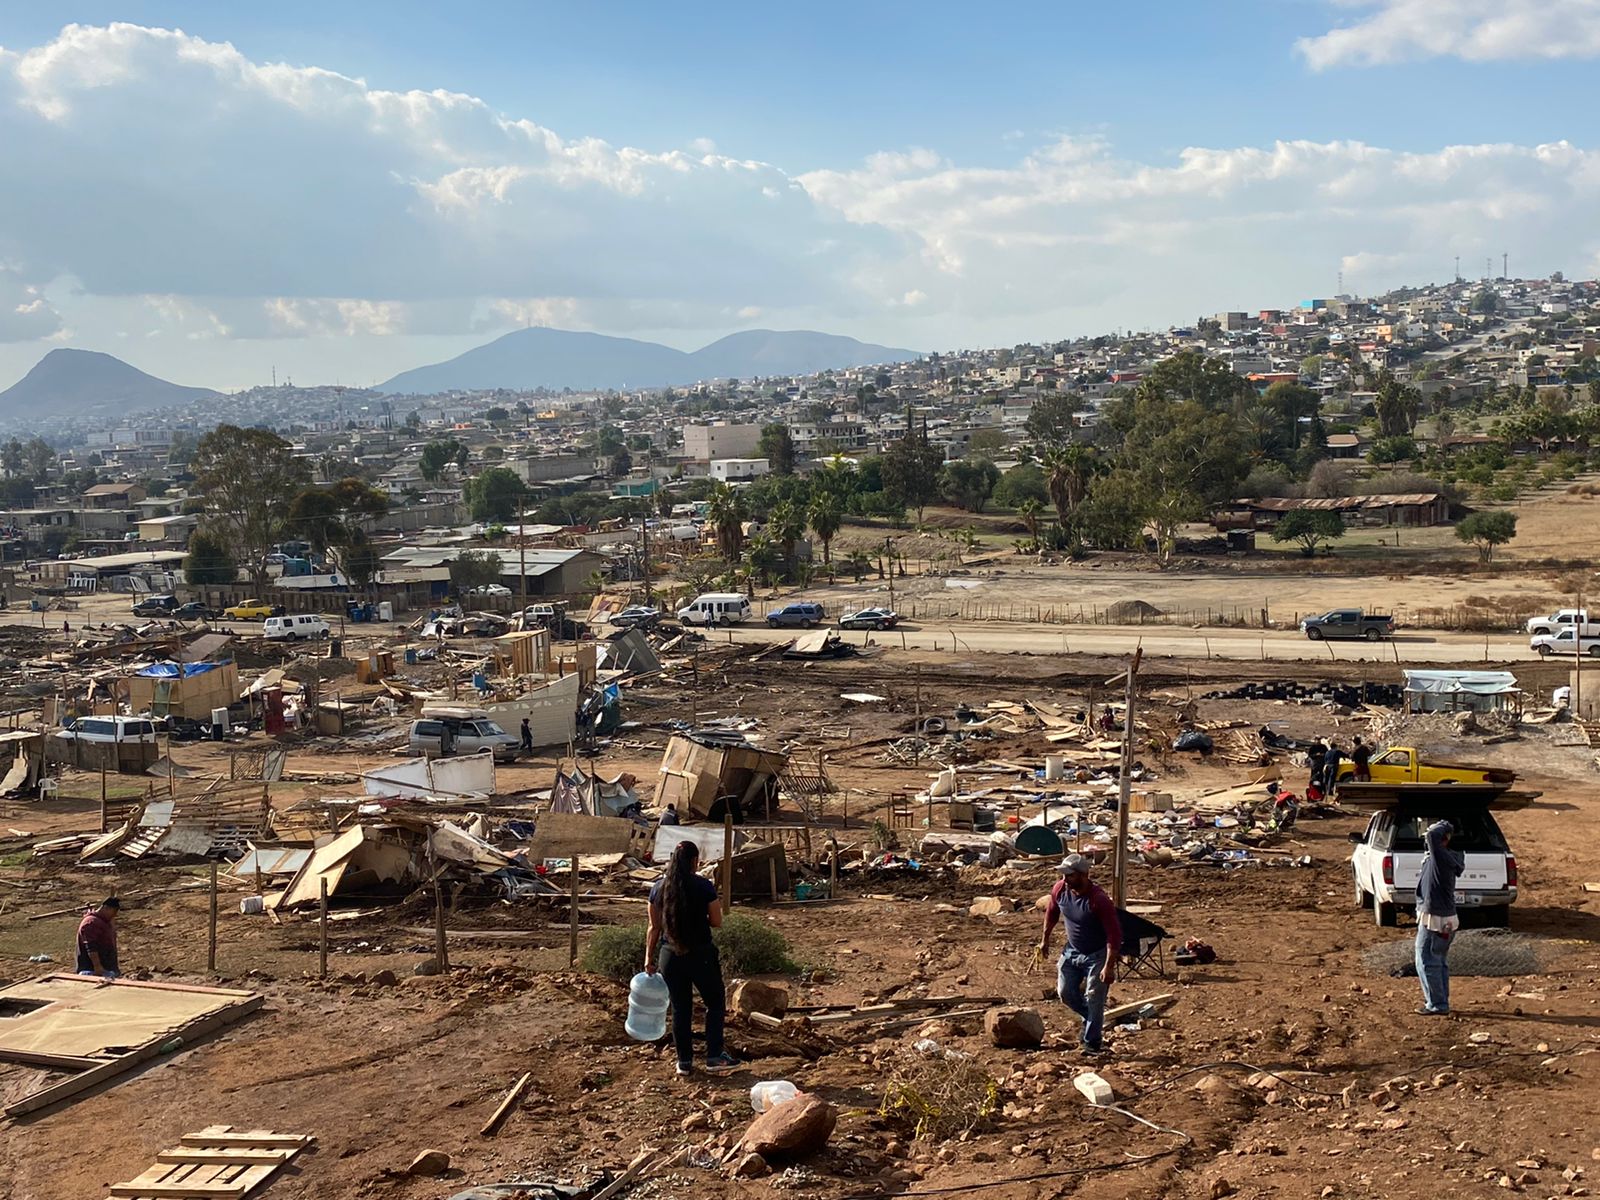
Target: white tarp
[(1452, 683), (707, 837), (551, 710)]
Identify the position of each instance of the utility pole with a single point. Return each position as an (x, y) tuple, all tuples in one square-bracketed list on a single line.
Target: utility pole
[(522, 545), (644, 549), (1120, 878)]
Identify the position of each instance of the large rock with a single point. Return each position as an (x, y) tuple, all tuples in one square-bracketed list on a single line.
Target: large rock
[(429, 1163), (1014, 1028), (991, 906), (792, 1129), (754, 996)]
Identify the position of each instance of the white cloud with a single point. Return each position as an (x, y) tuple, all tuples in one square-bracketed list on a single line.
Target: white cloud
[(25, 314), (1392, 31)]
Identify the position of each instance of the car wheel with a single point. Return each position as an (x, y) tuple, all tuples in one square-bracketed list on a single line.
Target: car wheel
[(1544, 651), (1594, 651), (1314, 634), (771, 624), (1383, 915), (1373, 635)]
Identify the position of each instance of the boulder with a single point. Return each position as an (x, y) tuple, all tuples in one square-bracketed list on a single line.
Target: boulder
[(429, 1163), (754, 996), (792, 1129), (991, 906), (428, 966), (1014, 1028), (384, 979), (751, 1166)]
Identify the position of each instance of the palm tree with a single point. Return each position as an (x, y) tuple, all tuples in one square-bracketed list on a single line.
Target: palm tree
[(788, 525), (725, 512), (860, 563), (763, 557), (1029, 511), (826, 517), (1069, 470)]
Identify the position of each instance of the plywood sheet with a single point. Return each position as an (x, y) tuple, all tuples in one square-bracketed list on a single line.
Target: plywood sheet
[(83, 1016)]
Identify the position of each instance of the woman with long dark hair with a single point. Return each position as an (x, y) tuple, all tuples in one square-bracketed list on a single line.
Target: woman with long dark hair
[(684, 909)]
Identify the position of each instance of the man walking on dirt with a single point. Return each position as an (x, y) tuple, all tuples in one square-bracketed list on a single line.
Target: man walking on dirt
[(97, 940), (1088, 964)]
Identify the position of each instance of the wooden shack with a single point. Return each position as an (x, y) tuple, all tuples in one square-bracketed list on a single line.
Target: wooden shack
[(704, 775)]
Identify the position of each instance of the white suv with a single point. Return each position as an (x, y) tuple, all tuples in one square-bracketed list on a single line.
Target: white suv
[(1387, 861)]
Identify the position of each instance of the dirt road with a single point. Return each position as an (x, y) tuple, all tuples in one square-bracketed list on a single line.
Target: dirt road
[(1464, 649)]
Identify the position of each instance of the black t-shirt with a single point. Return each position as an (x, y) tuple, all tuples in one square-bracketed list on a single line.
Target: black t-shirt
[(1361, 755), (695, 934)]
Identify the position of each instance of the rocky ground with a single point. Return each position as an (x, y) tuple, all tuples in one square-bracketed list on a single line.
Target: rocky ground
[(1286, 1068)]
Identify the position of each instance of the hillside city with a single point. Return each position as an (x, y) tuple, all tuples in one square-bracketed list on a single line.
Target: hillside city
[(1448, 397)]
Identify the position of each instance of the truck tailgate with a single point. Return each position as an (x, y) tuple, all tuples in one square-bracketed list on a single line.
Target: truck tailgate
[(1484, 872)]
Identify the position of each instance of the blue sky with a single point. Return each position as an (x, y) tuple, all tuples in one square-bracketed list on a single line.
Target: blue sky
[(928, 175)]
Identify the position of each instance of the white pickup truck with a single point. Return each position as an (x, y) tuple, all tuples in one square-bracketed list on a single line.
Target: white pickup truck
[(1564, 619), (1567, 643), (1387, 862)]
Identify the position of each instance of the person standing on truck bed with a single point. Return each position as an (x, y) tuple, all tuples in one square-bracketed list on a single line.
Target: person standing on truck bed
[(1437, 921)]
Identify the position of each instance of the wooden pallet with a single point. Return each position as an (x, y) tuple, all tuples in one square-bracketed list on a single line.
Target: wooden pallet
[(217, 1163)]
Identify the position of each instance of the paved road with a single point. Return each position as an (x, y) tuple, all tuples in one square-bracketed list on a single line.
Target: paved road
[(1175, 641)]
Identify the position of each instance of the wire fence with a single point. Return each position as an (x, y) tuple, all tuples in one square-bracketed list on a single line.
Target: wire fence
[(1495, 952)]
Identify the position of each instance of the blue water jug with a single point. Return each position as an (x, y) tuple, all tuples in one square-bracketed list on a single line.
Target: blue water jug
[(647, 1008)]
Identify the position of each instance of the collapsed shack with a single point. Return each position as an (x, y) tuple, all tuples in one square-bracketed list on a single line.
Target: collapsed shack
[(189, 690), (710, 775)]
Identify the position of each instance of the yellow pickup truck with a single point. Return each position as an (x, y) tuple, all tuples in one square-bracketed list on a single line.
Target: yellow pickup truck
[(1402, 764), (247, 610)]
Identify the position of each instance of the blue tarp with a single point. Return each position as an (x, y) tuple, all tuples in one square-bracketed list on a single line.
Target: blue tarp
[(172, 670)]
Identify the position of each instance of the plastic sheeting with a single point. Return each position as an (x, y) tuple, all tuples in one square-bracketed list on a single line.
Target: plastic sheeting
[(172, 670)]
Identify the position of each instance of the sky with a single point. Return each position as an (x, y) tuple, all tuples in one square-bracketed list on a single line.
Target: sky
[(339, 192)]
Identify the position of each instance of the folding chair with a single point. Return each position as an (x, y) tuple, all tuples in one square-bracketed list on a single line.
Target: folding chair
[(1143, 946)]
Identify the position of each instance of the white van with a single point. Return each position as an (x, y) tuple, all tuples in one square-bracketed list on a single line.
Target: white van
[(109, 729), (295, 627), (716, 608), (443, 732)]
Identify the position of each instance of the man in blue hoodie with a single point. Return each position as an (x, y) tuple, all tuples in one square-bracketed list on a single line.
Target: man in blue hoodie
[(1437, 921)]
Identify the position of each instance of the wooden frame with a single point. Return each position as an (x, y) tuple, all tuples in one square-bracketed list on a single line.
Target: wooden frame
[(214, 1164)]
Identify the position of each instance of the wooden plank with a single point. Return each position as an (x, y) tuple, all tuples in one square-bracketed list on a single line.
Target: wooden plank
[(185, 1035), (56, 1062), (506, 1105), (202, 1191), (236, 1157), (258, 1138)]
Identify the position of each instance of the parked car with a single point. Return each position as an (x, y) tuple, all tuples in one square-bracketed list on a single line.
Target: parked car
[(446, 732), (1387, 860), (715, 608), (250, 610), (640, 616), (490, 589), (193, 611), (805, 614), (1567, 642), (1348, 623), (299, 627), (1402, 764), (109, 729), (870, 618), (1562, 621), (155, 606)]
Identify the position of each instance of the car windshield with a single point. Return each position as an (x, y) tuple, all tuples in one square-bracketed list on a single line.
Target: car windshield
[(1475, 831), (490, 729)]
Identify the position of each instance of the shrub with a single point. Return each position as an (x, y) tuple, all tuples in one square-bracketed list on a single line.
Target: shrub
[(748, 947)]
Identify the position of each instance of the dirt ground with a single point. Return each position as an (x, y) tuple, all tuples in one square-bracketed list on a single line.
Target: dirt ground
[(1373, 1101)]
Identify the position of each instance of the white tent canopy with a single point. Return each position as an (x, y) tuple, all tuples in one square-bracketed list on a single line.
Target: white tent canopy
[(1449, 691)]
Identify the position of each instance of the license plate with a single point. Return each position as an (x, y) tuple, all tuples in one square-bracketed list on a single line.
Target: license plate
[(1467, 899)]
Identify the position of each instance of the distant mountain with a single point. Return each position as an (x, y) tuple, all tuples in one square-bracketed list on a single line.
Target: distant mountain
[(559, 358), (84, 382)]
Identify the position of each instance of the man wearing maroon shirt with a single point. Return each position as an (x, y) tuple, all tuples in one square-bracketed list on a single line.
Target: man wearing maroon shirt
[(97, 940), (1088, 963)]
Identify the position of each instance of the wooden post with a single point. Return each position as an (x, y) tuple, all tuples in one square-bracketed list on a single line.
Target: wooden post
[(833, 869), (727, 861), (441, 945), (572, 912), (102, 794), (211, 946), (772, 879), (322, 888), (1120, 881)]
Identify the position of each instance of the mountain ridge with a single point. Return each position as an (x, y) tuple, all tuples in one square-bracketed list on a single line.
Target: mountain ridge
[(79, 382), (560, 358)]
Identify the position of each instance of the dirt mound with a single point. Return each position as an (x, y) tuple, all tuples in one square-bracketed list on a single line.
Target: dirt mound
[(1125, 611)]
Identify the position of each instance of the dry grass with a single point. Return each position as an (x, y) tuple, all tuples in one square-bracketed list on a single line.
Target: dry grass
[(939, 1096)]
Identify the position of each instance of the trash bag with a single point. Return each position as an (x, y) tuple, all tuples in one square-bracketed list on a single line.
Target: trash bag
[(1193, 739)]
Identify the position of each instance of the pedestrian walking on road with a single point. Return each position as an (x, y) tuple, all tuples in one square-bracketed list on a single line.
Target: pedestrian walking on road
[(1088, 964), (684, 909), (1437, 920)]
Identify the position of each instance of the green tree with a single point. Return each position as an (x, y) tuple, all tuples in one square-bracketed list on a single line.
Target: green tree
[(209, 559), (1486, 530), (786, 525), (40, 458), (1049, 421), (495, 494), (1485, 302), (1397, 406), (436, 456), (826, 515), (1021, 483), (496, 415), (986, 441), (1069, 472), (1310, 528), (777, 447), (474, 569), (725, 512), (968, 483), (621, 463), (763, 557), (249, 478), (12, 458), (332, 518), (1029, 511), (911, 469), (359, 557)]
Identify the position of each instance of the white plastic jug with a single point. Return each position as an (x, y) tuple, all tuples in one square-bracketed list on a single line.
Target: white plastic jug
[(647, 1007), (770, 1093)]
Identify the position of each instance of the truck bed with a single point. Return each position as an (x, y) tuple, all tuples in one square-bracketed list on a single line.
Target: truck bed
[(1441, 797)]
